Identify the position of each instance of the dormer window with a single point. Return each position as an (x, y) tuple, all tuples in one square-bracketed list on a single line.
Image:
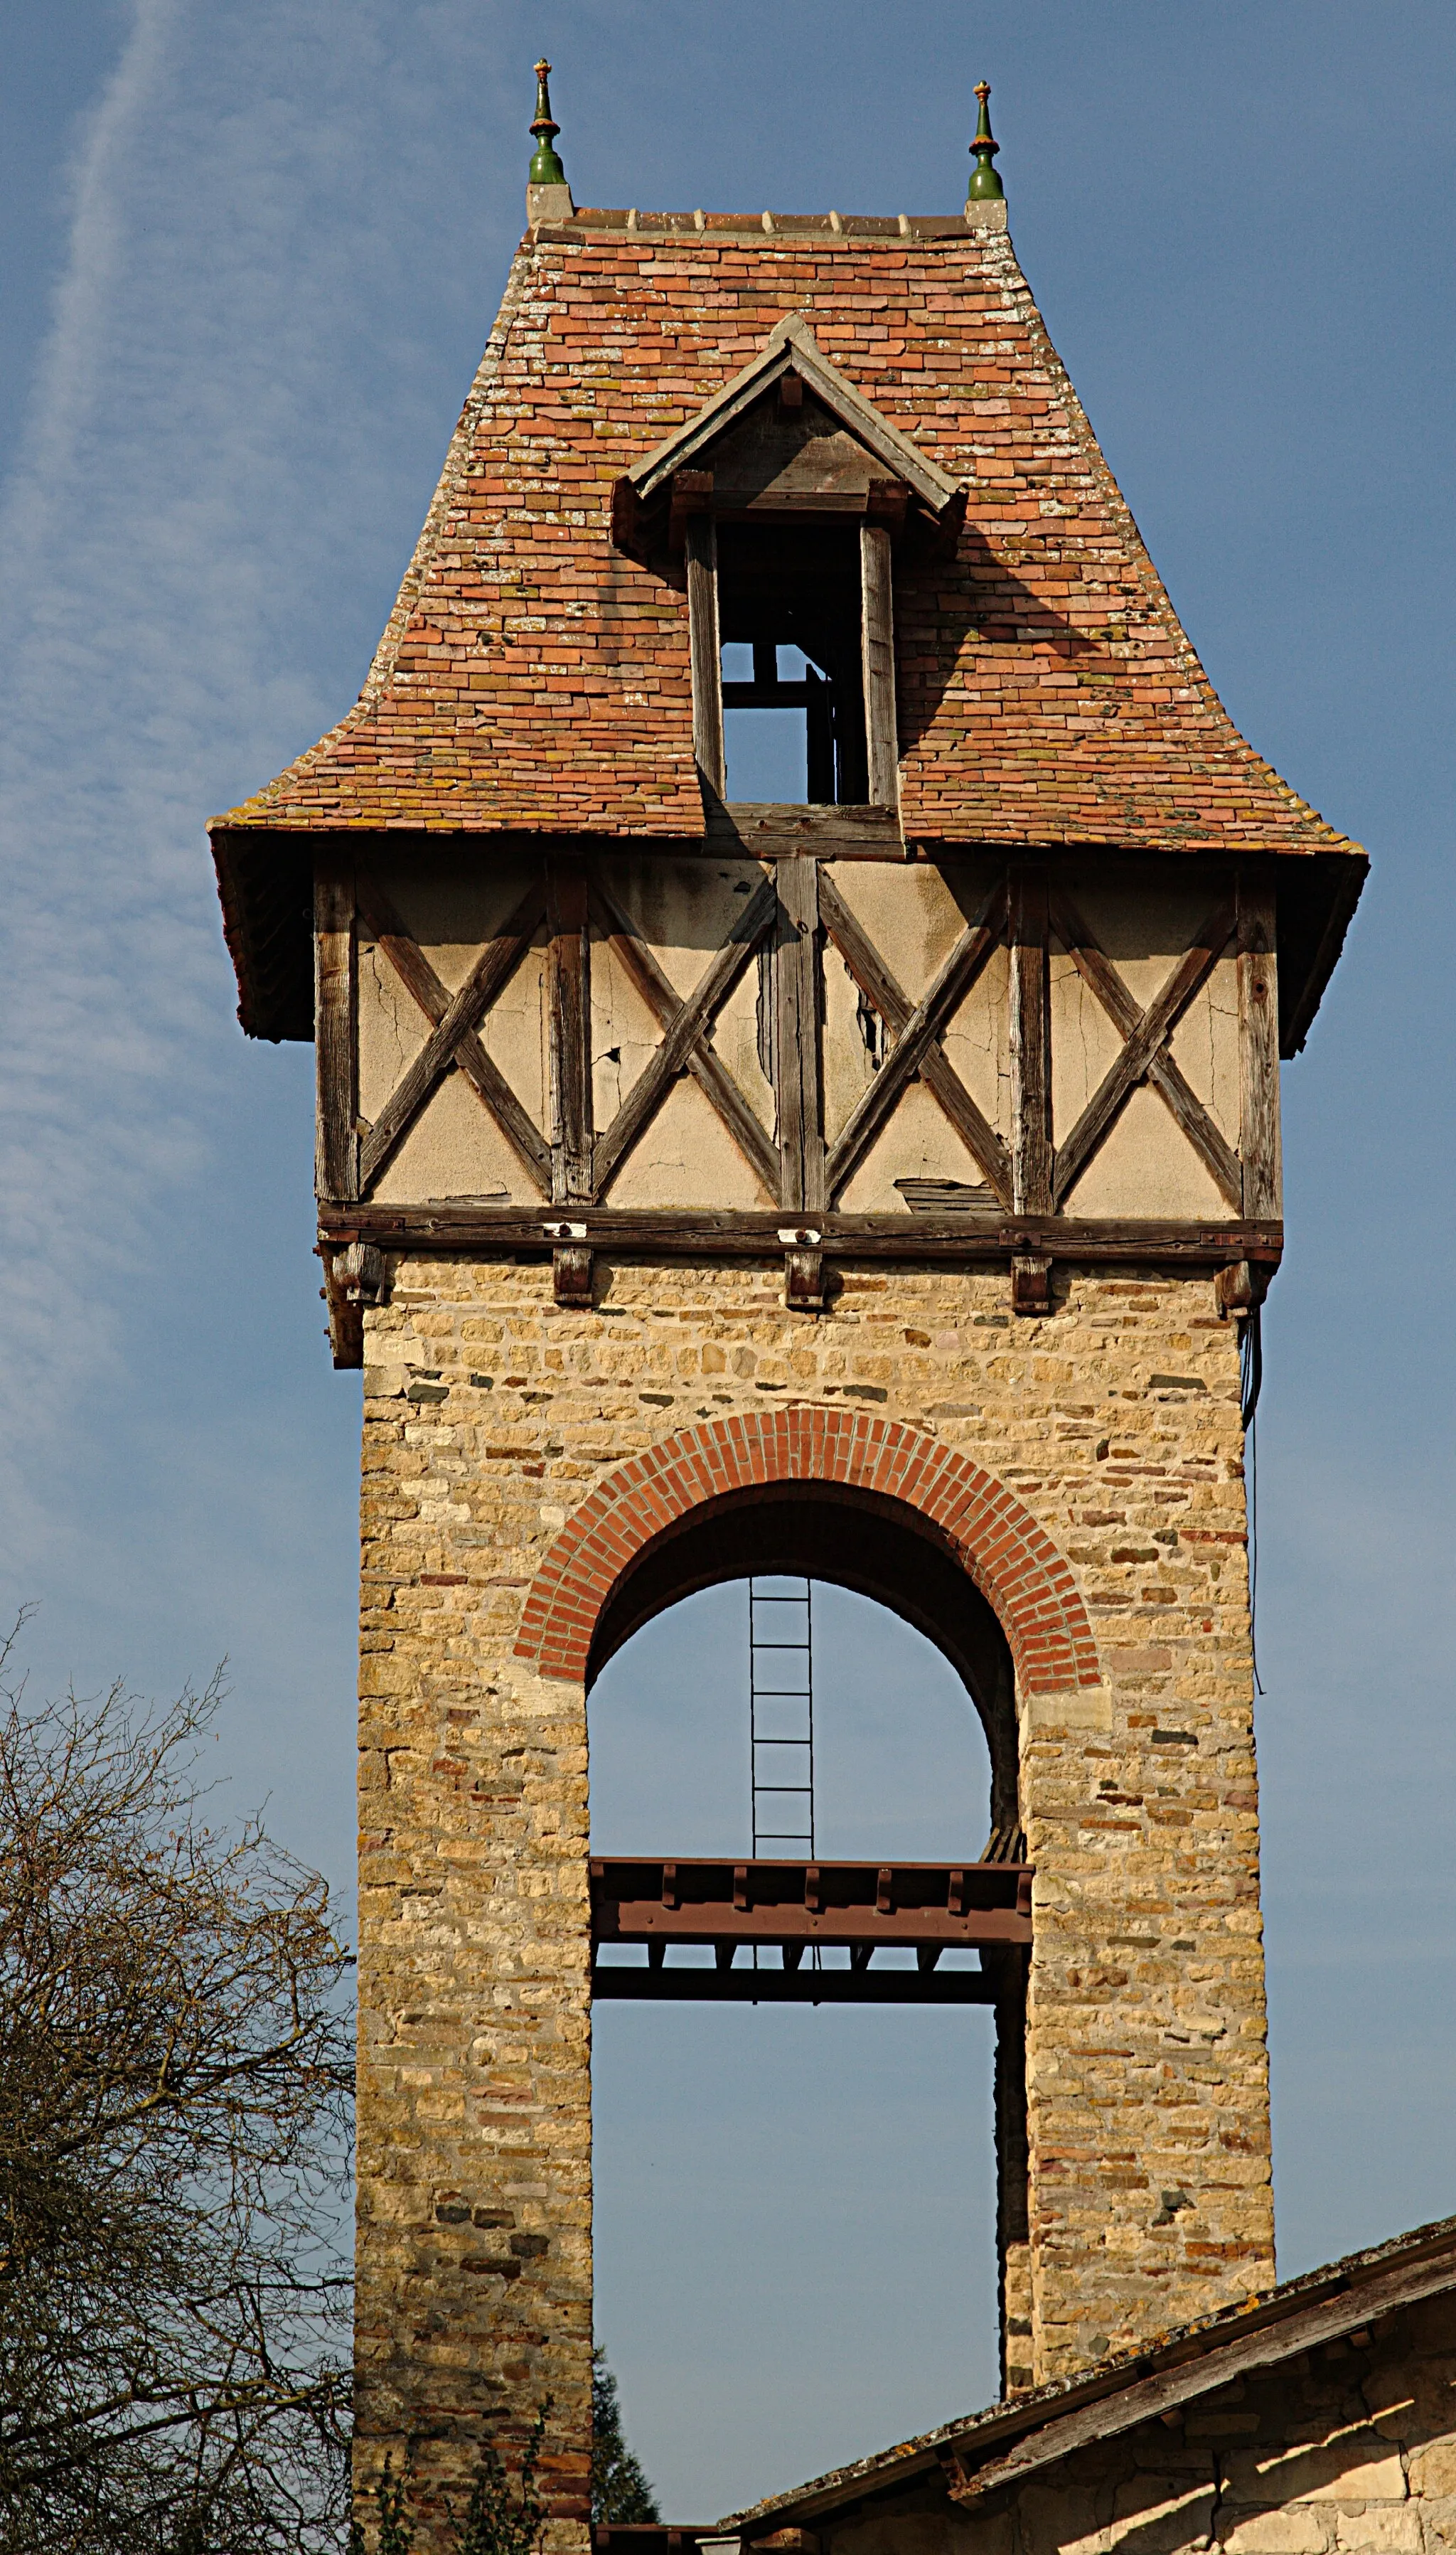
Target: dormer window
[(777, 509)]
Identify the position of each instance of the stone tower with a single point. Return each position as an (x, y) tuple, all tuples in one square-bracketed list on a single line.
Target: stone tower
[(880, 1185)]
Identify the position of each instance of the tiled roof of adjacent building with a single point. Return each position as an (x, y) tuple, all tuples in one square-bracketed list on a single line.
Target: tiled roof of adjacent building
[(1010, 2440), (533, 677)]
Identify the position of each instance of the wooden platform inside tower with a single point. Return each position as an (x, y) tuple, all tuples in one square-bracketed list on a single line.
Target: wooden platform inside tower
[(800, 1911)]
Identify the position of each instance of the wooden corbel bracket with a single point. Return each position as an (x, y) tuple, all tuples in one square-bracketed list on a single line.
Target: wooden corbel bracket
[(804, 1269), (353, 1277), (1031, 1283), (571, 1264), (1241, 1288)]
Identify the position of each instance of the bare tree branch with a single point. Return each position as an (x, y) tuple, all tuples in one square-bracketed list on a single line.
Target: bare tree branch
[(175, 2081)]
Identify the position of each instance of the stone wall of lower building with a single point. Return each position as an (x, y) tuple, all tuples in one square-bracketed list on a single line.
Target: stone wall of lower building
[(489, 1417)]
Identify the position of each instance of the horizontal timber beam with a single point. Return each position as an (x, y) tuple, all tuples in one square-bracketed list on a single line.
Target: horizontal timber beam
[(766, 831), (794, 1987), (926, 1908), (975, 1238)]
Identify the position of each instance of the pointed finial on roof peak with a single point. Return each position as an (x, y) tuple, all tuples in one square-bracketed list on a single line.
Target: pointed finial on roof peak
[(985, 185), (546, 168)]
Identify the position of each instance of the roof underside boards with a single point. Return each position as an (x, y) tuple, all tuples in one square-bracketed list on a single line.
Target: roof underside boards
[(1010, 2439)]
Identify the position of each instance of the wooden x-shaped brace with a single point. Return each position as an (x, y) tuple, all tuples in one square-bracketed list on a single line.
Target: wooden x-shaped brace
[(1144, 1056), (454, 1020), (686, 1028), (916, 1029)]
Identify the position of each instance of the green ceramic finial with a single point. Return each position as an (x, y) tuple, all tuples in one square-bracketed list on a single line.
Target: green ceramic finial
[(546, 168), (985, 185)]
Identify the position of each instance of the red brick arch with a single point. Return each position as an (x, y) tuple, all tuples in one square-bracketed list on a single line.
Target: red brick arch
[(1012, 1559)]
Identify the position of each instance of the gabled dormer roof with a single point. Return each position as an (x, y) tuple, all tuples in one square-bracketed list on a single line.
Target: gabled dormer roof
[(793, 348)]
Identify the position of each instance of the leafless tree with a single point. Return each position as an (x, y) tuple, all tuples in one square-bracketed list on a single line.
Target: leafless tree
[(175, 2084)]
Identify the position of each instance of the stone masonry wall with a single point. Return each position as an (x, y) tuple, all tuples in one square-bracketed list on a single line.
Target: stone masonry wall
[(489, 1417), (1349, 2448)]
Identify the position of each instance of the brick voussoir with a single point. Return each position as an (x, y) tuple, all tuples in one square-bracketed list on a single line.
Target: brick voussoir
[(1009, 1554)]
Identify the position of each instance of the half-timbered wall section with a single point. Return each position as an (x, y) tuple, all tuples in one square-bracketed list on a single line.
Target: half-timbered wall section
[(966, 1059)]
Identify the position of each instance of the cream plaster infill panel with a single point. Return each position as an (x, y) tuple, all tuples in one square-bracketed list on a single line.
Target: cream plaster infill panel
[(913, 912), (735, 1039), (454, 902), (848, 1065), (625, 1035), (624, 1032), (977, 1040), (1145, 918), (1085, 1045), (699, 904), (1145, 928), (684, 910), (687, 1158), (452, 911), (392, 1030), (456, 1150), (1205, 1046), (918, 1144), (514, 1034), (1147, 1167)]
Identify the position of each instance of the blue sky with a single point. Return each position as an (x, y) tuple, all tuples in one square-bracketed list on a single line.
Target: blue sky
[(251, 251)]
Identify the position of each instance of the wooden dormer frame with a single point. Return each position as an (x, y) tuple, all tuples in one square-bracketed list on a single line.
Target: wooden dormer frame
[(877, 651), (665, 504), (793, 348)]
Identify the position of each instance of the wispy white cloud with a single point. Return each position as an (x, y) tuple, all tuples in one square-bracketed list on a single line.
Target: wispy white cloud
[(284, 255), (196, 546)]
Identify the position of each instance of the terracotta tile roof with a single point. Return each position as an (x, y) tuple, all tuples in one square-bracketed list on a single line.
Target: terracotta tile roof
[(534, 677)]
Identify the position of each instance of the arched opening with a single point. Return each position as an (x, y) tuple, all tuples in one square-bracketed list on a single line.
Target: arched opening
[(799, 2208), (844, 1537)]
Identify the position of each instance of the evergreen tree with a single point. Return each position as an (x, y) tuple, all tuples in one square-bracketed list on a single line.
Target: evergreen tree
[(619, 2491)]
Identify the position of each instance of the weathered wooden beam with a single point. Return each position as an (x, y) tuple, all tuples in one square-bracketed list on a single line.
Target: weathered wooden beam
[(1031, 1048), (662, 998), (895, 1008), (752, 1232), (568, 1030), (804, 1272), (572, 1265), (464, 1011), (1259, 1049), (877, 638), (766, 831), (1167, 1080), (798, 1054), (480, 1069), (1143, 1048), (726, 1986), (706, 650), (337, 1029)]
